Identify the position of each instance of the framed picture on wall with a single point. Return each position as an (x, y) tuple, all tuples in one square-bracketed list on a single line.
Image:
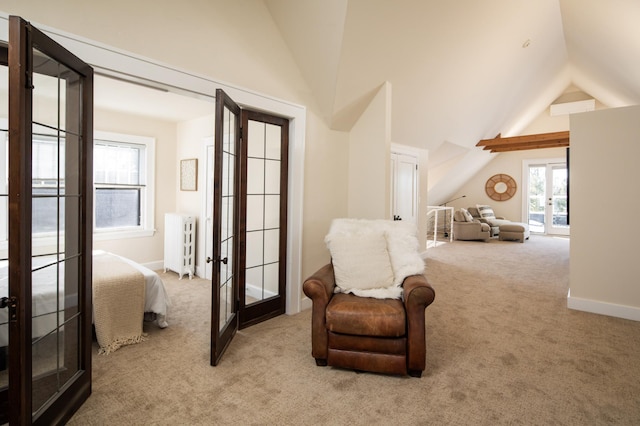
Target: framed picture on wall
[(189, 174)]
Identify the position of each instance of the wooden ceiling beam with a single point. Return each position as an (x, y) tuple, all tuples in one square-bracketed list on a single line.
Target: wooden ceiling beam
[(555, 142), (528, 146), (516, 143)]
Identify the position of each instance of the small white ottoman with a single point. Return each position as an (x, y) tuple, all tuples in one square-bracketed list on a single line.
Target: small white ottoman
[(514, 231)]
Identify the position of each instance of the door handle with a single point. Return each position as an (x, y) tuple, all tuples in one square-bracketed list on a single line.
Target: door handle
[(12, 304), (225, 260)]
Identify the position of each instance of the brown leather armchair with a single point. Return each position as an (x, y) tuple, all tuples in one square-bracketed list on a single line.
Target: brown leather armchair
[(363, 333)]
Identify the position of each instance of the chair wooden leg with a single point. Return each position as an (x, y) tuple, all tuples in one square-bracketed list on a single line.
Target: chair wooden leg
[(321, 362), (415, 373)]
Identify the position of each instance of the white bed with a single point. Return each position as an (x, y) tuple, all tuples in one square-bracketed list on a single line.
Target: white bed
[(44, 300)]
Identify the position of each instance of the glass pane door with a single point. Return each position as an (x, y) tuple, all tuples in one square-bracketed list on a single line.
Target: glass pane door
[(224, 312), (536, 196), (264, 214), (4, 255), (49, 256), (548, 202), (558, 201)]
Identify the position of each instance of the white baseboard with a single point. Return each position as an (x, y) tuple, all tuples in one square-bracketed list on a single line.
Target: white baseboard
[(603, 308), (305, 304), (256, 292), (154, 266)]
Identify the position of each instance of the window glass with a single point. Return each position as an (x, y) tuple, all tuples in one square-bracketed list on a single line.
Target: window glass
[(119, 183), (47, 159), (122, 169)]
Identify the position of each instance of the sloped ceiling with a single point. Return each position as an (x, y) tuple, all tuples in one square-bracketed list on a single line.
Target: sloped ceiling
[(461, 70)]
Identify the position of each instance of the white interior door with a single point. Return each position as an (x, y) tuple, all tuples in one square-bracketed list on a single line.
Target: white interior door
[(404, 187)]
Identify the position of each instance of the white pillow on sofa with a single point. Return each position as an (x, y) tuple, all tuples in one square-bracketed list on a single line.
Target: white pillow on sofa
[(485, 212), (467, 216)]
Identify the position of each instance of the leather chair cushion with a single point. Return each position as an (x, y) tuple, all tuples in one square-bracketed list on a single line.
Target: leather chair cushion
[(365, 316)]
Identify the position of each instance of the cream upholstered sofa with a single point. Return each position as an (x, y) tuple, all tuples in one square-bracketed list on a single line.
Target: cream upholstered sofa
[(466, 228), (501, 227), (490, 219)]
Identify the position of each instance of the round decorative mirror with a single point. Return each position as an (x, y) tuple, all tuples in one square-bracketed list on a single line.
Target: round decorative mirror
[(500, 187)]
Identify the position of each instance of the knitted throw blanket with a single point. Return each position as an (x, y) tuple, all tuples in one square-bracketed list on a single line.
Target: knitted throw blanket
[(118, 303)]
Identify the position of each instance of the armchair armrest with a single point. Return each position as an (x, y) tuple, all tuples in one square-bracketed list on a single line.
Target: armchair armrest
[(319, 288), (471, 225), (418, 294), (320, 285)]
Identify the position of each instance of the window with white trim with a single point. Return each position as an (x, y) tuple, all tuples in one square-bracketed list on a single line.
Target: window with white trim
[(123, 182), (123, 186)]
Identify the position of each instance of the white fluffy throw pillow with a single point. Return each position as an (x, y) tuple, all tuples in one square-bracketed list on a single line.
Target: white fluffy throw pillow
[(402, 243), (360, 261), (364, 240)]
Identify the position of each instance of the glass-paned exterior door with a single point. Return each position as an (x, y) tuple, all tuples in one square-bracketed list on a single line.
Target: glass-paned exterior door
[(536, 196), (558, 201), (548, 198), (47, 264)]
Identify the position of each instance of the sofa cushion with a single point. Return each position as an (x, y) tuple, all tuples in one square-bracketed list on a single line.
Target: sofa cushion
[(348, 314), (360, 262), (474, 212), (459, 217), (514, 227), (468, 217), (485, 212)]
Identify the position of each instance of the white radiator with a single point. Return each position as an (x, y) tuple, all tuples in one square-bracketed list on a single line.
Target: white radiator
[(179, 243)]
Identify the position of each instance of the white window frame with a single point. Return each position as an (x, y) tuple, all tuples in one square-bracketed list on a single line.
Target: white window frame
[(147, 198)]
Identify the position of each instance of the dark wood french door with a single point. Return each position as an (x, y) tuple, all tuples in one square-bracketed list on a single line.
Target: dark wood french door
[(250, 217), (226, 160), (47, 309), (263, 216)]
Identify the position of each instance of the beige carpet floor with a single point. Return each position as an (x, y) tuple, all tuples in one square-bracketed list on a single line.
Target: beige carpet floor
[(502, 349)]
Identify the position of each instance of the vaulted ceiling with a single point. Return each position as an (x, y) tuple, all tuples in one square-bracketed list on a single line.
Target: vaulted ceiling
[(461, 71)]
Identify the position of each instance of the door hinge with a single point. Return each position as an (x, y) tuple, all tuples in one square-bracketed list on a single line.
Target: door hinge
[(12, 304)]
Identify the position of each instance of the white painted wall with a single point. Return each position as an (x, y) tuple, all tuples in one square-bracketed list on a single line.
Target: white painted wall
[(191, 135), (325, 189), (369, 154), (604, 200), (148, 250)]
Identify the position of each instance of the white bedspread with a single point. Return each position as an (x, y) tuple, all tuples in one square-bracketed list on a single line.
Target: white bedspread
[(45, 303)]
